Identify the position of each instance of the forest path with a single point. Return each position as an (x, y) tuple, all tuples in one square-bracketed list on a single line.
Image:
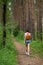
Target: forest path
[(22, 58)]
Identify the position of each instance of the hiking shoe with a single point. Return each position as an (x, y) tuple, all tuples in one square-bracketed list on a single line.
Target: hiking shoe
[(28, 54)]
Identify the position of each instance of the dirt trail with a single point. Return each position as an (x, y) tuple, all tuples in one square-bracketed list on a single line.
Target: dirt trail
[(23, 59)]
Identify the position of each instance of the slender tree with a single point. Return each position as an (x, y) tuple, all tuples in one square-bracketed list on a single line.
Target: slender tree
[(39, 19), (25, 15), (4, 22), (30, 17)]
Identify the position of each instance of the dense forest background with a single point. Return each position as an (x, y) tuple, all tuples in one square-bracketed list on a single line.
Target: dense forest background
[(16, 16), (29, 16), (22, 15)]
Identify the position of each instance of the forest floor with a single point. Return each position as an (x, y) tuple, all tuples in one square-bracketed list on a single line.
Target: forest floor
[(24, 59)]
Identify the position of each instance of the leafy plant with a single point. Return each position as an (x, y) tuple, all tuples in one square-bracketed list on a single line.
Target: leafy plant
[(16, 31)]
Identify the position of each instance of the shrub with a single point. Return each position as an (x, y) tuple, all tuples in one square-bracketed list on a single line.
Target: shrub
[(21, 35), (16, 31)]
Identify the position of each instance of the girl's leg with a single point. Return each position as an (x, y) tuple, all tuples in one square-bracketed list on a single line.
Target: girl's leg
[(28, 49)]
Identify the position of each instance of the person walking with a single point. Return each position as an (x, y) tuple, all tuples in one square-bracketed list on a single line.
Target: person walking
[(27, 39)]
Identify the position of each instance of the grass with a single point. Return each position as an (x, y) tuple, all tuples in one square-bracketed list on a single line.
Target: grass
[(36, 45), (9, 53), (37, 48), (1, 30)]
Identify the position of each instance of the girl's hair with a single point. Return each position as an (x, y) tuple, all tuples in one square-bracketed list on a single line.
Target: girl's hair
[(27, 30)]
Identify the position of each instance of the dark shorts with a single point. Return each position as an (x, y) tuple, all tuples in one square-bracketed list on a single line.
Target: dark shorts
[(27, 41)]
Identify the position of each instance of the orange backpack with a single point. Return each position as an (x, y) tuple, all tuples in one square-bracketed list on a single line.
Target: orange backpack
[(28, 36)]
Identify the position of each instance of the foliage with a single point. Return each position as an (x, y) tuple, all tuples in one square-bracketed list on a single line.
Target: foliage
[(8, 54), (37, 48), (20, 37), (7, 57), (16, 31), (1, 32), (1, 1)]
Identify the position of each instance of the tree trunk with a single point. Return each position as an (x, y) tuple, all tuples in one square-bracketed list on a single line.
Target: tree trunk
[(39, 19), (30, 17), (4, 24)]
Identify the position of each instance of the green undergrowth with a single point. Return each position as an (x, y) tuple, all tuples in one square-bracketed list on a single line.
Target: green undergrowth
[(20, 37), (37, 48), (1, 31), (36, 45), (8, 55)]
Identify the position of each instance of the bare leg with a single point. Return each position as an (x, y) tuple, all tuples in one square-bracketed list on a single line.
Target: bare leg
[(28, 49)]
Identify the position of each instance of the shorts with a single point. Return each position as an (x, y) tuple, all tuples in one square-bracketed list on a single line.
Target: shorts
[(27, 41)]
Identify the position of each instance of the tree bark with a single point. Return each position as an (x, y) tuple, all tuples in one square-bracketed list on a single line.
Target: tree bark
[(4, 24), (39, 19)]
